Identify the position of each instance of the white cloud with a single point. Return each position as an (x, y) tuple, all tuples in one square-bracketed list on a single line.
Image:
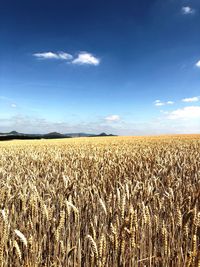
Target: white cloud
[(9, 101), (112, 118), (83, 58), (161, 125), (187, 10), (66, 56), (86, 58), (158, 103), (191, 99), (13, 105), (198, 64), (27, 124), (190, 112), (51, 55), (170, 102)]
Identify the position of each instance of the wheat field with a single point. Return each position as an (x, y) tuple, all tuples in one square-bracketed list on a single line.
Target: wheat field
[(117, 201)]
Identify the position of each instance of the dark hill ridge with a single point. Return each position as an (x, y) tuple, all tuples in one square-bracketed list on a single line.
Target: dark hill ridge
[(13, 132), (88, 135), (53, 135)]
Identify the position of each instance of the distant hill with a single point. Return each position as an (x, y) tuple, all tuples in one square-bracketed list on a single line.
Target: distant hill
[(88, 135), (78, 134), (13, 133), (104, 134), (53, 135), (22, 136)]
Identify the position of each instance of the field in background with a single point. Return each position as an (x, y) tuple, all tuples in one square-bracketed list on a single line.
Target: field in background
[(117, 201)]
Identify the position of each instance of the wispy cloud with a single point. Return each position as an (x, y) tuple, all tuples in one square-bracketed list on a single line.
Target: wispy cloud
[(13, 105), (198, 64), (85, 58), (159, 103), (187, 10), (190, 112), (51, 55), (8, 101), (113, 118), (4, 98), (191, 99), (170, 102), (170, 123), (29, 124)]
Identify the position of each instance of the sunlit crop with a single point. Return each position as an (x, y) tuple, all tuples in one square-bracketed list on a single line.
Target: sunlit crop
[(114, 201)]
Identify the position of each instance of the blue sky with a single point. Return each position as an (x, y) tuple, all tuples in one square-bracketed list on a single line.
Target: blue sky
[(125, 67)]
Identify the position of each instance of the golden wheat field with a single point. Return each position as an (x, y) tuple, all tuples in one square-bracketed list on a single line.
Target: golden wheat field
[(117, 201)]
